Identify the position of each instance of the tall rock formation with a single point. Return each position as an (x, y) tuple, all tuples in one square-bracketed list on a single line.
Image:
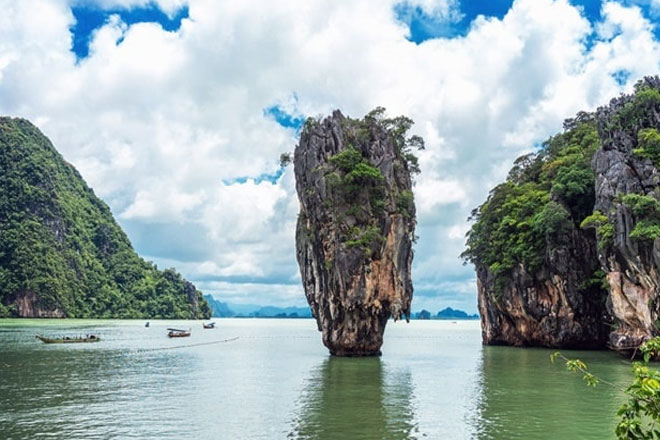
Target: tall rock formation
[(628, 194), (538, 277), (356, 226), (61, 252), (607, 247)]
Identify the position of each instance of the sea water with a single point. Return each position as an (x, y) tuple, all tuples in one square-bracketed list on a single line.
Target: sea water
[(276, 381)]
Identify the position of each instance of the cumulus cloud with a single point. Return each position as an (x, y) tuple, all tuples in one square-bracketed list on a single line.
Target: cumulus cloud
[(165, 125)]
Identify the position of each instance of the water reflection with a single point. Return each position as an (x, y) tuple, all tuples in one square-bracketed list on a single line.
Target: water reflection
[(525, 396), (357, 398)]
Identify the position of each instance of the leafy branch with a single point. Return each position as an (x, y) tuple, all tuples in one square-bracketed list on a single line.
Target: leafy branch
[(638, 416)]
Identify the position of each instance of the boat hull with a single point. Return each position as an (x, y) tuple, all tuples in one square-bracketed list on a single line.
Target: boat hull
[(67, 341)]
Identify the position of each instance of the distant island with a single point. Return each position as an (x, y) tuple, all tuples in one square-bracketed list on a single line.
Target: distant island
[(220, 309), (446, 313)]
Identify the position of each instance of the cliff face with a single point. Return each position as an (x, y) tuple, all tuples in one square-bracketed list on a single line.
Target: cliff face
[(611, 244), (355, 227), (627, 191), (556, 306), (539, 279), (61, 252)]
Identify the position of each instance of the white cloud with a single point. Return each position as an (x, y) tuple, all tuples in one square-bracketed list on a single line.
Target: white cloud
[(439, 9), (157, 123), (457, 232), (430, 195)]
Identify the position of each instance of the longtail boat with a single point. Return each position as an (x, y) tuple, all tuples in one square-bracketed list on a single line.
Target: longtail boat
[(68, 340), (209, 325), (178, 333)]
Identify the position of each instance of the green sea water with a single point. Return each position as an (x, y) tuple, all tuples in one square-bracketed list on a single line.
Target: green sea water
[(276, 381)]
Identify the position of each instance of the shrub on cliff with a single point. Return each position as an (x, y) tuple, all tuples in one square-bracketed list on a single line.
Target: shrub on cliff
[(637, 112), (648, 141), (604, 228), (646, 210)]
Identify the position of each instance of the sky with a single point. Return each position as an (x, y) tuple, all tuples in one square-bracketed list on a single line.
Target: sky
[(176, 111)]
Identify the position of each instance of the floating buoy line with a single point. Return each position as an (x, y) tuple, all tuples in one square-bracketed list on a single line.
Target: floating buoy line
[(143, 350), (140, 350)]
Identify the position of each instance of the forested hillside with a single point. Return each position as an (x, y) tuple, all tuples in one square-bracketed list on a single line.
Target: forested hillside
[(61, 252)]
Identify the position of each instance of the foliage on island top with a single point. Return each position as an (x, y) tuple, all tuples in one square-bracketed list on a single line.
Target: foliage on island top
[(545, 194), (358, 191)]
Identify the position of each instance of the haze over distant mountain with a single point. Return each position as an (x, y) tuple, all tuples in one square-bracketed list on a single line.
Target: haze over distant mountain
[(225, 310), (222, 309), (447, 313)]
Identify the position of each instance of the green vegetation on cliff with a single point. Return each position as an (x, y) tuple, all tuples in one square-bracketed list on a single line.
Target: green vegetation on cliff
[(604, 228), (647, 212), (546, 194), (638, 112), (358, 189), (648, 141), (61, 251)]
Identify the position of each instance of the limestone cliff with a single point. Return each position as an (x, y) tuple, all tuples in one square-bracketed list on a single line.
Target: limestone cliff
[(602, 175), (539, 280), (554, 306), (356, 226), (627, 193)]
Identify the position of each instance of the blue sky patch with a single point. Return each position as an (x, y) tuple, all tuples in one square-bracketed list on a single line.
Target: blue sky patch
[(621, 77), (283, 118), (590, 9), (264, 177), (425, 27), (89, 18), (491, 8)]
